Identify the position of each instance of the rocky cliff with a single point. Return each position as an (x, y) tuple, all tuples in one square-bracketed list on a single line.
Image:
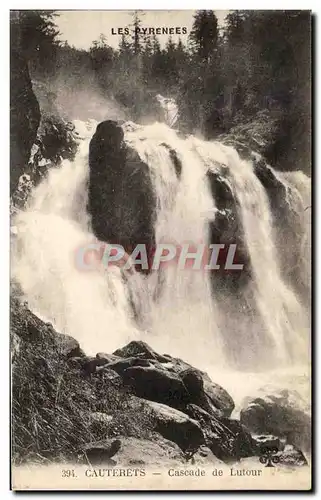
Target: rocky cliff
[(24, 116)]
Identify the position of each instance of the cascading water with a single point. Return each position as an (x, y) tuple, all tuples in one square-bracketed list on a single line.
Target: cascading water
[(179, 314), (284, 319), (185, 308), (298, 194), (92, 307)]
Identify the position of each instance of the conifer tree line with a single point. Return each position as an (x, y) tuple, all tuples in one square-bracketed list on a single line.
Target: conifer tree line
[(256, 62)]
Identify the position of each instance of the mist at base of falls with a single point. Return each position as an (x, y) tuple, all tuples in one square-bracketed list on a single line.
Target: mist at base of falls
[(178, 313)]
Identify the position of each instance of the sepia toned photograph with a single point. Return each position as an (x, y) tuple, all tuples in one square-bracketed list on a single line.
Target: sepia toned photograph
[(160, 250)]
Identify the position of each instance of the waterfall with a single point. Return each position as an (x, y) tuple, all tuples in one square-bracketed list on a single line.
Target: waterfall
[(92, 307), (170, 109), (178, 312), (185, 307)]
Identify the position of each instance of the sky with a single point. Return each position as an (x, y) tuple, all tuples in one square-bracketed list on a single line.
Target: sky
[(81, 27)]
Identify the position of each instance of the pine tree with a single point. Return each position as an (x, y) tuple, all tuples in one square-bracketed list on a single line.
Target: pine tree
[(124, 46), (204, 34), (137, 41), (34, 34), (102, 59)]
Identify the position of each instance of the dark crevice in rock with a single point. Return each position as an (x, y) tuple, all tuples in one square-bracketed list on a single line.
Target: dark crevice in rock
[(176, 161), (227, 229), (286, 224)]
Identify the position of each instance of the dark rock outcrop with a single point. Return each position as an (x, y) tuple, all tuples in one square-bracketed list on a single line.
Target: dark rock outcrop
[(68, 346), (193, 381), (227, 229), (56, 138), (24, 116), (140, 349), (218, 397), (198, 387), (38, 138), (121, 200), (175, 160), (286, 223)]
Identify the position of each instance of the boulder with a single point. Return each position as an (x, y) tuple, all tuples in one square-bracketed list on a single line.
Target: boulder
[(176, 426), (219, 397), (108, 376), (121, 365), (204, 457), (140, 349), (108, 357), (193, 382), (282, 414), (90, 364), (67, 346), (156, 385)]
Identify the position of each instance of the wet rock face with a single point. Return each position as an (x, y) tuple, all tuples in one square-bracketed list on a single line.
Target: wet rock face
[(24, 116), (286, 221), (227, 229), (121, 200)]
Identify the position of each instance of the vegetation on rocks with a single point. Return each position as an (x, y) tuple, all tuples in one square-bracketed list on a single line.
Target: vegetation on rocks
[(67, 406)]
